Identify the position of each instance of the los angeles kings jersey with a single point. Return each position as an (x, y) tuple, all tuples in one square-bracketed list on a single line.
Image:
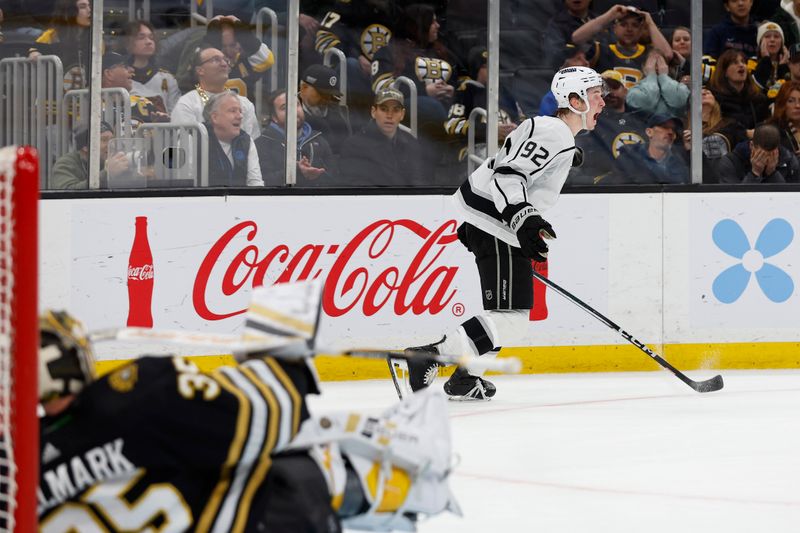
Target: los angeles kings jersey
[(531, 166), (158, 445)]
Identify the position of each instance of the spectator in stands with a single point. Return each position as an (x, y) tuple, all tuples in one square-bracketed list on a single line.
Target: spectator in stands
[(416, 53), (737, 94), (657, 92), (211, 69), (382, 154), (248, 57), (628, 54), (69, 37), (320, 95), (71, 170), (616, 127), (359, 30), (720, 135), (772, 63), (573, 56), (762, 160), (788, 16), (471, 94), (656, 161), (118, 73), (737, 32), (786, 115), (149, 81), (316, 165), (558, 33), (681, 42), (232, 155)]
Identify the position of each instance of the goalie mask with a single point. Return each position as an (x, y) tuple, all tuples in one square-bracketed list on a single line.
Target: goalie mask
[(66, 360), (386, 471)]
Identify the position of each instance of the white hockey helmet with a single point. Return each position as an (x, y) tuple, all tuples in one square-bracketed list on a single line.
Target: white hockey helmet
[(574, 80), (66, 358)]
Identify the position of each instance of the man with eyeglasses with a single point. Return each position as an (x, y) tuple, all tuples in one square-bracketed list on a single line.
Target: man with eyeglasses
[(211, 69)]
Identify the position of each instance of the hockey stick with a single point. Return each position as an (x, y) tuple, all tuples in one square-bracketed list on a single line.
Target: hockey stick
[(709, 385), (239, 344)]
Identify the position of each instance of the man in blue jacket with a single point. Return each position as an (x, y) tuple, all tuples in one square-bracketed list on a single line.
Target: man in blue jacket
[(657, 161)]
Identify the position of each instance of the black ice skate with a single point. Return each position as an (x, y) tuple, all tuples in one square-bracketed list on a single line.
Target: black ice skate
[(463, 386), (422, 370)]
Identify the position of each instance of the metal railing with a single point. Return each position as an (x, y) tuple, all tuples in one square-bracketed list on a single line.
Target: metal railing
[(195, 17), (177, 152), (116, 111), (412, 92), (30, 107), (474, 159), (328, 60)]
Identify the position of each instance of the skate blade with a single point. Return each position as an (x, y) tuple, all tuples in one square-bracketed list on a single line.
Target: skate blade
[(468, 399)]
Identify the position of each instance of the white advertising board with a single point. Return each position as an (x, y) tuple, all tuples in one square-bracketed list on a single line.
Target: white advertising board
[(395, 273)]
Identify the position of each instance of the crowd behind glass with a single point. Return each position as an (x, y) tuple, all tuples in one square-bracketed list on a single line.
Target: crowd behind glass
[(402, 58)]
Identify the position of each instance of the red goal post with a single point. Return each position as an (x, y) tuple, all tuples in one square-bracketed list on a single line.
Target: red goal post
[(19, 338)]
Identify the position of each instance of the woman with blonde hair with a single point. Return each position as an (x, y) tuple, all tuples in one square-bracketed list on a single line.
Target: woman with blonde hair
[(739, 97), (720, 135)]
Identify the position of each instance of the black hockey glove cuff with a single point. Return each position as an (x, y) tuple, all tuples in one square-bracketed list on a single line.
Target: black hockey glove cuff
[(531, 230)]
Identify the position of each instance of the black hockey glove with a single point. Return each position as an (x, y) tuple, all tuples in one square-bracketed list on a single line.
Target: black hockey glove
[(531, 230)]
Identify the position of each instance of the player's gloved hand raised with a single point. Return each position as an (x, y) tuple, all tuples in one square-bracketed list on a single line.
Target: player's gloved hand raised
[(531, 230)]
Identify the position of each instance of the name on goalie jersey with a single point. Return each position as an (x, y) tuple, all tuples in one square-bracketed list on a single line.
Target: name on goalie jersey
[(75, 474)]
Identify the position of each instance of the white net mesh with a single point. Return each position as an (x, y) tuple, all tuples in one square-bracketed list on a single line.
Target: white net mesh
[(8, 469)]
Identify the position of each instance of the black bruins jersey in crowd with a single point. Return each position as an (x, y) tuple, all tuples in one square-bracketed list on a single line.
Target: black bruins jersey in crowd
[(423, 67), (627, 62), (357, 28), (601, 146), (159, 445), (469, 95)]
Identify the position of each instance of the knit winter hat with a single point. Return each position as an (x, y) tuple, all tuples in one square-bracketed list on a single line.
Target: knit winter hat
[(768, 26)]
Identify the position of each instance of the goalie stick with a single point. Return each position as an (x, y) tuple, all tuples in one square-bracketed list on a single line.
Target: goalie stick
[(709, 385), (252, 343)]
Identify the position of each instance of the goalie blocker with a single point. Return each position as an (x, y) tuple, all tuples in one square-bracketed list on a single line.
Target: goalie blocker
[(157, 443)]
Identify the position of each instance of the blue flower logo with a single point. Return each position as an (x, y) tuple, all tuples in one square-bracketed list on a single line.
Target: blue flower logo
[(773, 239)]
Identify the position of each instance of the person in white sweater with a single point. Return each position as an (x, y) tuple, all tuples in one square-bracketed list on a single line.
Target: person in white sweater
[(211, 68)]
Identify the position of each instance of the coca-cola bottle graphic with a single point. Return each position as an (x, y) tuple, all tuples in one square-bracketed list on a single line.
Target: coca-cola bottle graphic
[(140, 279)]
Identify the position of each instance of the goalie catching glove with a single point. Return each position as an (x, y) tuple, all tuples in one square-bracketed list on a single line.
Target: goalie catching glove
[(531, 230)]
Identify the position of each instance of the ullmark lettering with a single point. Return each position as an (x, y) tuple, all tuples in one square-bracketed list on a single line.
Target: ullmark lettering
[(74, 475)]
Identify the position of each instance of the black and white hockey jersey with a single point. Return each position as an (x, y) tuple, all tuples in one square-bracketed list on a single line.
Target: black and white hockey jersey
[(159, 445), (531, 166)]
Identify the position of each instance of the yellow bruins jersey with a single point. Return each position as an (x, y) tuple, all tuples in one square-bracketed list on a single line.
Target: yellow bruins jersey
[(158, 445)]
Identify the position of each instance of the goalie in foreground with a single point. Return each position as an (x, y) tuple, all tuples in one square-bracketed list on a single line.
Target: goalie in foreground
[(157, 444)]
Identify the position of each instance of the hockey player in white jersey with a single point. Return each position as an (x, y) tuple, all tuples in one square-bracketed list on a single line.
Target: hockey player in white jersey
[(502, 202)]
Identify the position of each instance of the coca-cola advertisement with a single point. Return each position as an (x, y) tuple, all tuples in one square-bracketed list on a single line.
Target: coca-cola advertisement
[(140, 279), (395, 273)]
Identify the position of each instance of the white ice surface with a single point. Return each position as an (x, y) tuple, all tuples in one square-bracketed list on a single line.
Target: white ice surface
[(628, 452)]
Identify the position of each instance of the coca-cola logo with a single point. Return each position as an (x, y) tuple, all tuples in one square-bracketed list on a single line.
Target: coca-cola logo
[(140, 273), (419, 286)]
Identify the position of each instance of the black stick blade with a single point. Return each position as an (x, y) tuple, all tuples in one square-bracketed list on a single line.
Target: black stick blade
[(709, 385)]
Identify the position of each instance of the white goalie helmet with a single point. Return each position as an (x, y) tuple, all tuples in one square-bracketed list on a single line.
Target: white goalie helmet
[(574, 80)]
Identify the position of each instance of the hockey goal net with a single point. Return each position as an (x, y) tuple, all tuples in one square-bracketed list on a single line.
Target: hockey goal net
[(19, 440)]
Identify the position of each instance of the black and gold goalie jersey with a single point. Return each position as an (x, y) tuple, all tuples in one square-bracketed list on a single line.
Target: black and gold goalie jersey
[(158, 445)]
